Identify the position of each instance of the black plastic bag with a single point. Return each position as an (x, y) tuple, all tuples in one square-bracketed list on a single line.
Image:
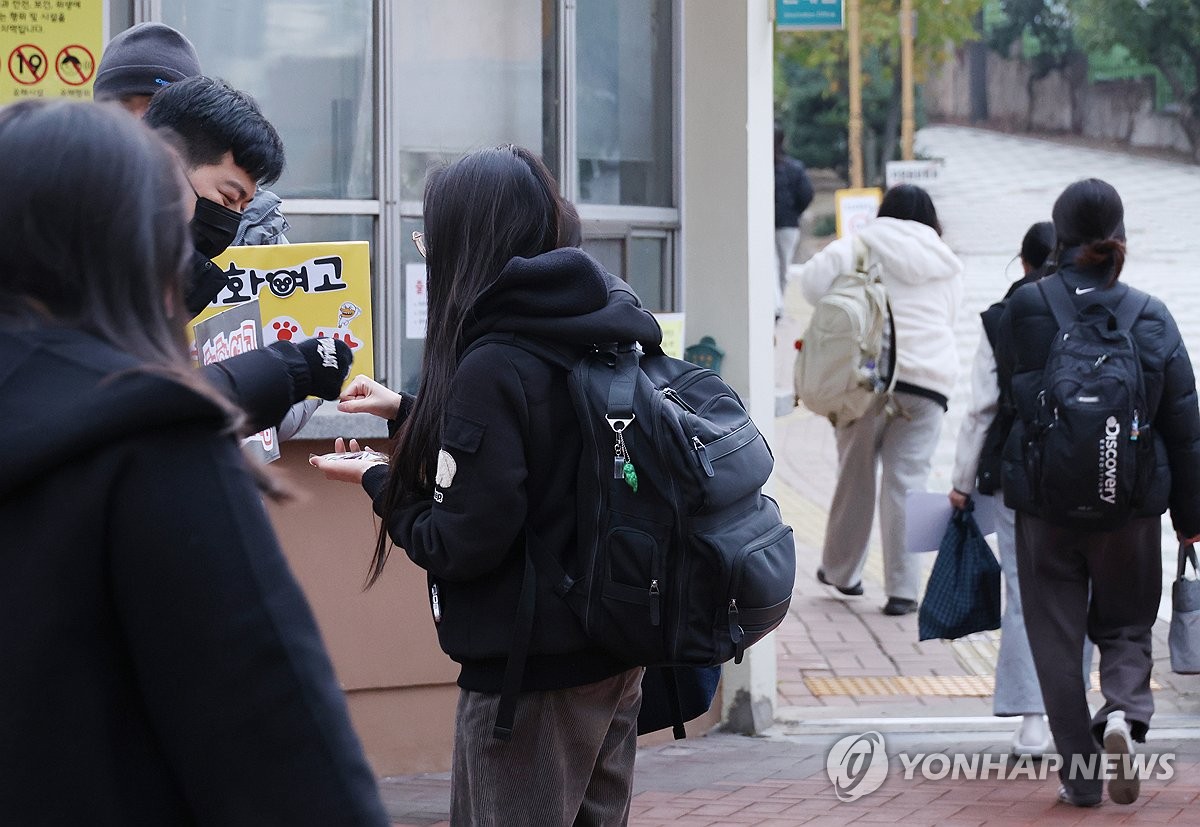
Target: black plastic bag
[(963, 592)]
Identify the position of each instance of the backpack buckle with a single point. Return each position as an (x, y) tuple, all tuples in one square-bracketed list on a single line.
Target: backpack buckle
[(623, 422)]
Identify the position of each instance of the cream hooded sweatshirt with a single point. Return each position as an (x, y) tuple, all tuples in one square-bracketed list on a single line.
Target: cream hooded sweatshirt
[(923, 279)]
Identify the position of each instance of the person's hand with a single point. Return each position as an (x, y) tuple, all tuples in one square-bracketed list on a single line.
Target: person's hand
[(1188, 540), (347, 465), (959, 500), (364, 395)]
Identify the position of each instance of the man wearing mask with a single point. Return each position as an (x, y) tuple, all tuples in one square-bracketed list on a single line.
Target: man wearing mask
[(230, 149)]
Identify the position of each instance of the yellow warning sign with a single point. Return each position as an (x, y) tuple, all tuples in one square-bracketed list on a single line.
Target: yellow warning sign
[(49, 48)]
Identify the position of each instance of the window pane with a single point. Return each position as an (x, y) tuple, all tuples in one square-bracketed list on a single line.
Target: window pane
[(305, 228), (474, 73), (310, 64), (610, 252), (647, 270), (408, 291), (624, 102)]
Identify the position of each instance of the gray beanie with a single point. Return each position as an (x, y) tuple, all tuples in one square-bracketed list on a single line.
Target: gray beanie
[(143, 59)]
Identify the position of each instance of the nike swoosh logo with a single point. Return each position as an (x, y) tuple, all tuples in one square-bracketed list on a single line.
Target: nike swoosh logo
[(1079, 291)]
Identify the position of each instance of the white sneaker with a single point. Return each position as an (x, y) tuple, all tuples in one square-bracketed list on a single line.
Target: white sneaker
[(1032, 737), (1124, 786)]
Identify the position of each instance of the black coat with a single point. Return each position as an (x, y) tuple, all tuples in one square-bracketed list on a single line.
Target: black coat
[(160, 664), (1026, 330), (510, 453)]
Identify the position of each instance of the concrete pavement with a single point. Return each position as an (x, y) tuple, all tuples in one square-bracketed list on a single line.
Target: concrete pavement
[(846, 669)]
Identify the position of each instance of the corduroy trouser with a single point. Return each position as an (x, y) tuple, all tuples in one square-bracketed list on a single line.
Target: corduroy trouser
[(569, 762)]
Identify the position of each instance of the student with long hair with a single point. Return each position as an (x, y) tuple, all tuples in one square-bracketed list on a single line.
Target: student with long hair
[(1078, 583), (158, 656), (483, 473)]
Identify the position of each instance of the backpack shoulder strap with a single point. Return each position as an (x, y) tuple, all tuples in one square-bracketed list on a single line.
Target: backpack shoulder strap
[(1058, 296), (1130, 307)]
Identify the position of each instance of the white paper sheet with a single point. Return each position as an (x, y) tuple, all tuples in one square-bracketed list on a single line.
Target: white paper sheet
[(927, 513)]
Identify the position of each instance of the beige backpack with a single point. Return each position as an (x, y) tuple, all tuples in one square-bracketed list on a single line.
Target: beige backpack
[(840, 368)]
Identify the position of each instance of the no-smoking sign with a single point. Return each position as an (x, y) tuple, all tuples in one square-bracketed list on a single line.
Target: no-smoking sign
[(75, 65), (27, 64)]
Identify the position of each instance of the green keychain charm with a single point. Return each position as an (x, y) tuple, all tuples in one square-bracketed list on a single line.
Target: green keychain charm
[(630, 475)]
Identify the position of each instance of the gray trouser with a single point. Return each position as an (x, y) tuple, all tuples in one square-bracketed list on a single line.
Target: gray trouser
[(570, 760), (1123, 569), (1017, 690), (903, 446)]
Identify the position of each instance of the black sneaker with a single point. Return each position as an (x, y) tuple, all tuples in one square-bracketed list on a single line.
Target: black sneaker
[(897, 606), (1076, 799), (850, 591)]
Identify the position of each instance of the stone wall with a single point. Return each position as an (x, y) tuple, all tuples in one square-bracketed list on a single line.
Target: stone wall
[(1120, 111)]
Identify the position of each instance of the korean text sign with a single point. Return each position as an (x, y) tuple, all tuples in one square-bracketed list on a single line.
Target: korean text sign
[(49, 48), (305, 290)]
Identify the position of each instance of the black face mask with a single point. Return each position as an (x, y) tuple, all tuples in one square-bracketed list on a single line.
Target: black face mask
[(213, 227)]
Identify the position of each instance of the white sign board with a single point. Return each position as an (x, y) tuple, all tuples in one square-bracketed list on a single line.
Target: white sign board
[(912, 172), (854, 208)]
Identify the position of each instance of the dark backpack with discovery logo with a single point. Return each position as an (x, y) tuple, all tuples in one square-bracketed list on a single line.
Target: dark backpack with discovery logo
[(681, 559), (1089, 453)]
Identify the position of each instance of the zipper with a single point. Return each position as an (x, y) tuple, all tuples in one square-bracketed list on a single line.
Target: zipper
[(655, 604), (736, 633), (702, 455), (673, 395)]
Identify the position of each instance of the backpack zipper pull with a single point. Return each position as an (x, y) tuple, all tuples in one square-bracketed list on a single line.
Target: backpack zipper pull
[(736, 633), (655, 604), (702, 454), (1134, 429)]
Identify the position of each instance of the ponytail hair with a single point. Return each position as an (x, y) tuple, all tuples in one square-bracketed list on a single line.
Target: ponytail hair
[(1109, 252)]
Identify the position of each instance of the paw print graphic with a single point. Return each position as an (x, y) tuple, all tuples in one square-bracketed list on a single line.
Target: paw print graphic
[(284, 331)]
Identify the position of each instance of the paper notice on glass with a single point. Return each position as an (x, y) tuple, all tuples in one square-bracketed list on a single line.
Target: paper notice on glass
[(927, 513), (416, 301)]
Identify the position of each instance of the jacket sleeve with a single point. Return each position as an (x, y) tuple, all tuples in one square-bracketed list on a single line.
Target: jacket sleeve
[(817, 274), (985, 398), (1178, 422), (232, 670), (802, 188), (260, 382), (479, 500)]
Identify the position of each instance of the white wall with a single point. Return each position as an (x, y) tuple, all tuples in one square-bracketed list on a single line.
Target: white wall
[(728, 240)]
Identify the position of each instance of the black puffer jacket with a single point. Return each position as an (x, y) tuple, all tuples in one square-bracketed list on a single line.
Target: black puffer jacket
[(507, 473), (1026, 331)]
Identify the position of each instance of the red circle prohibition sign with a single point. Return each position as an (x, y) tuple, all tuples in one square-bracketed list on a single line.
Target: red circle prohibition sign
[(27, 64), (75, 65)]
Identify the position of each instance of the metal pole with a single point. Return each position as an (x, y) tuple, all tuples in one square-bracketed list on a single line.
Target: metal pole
[(907, 124), (856, 119)]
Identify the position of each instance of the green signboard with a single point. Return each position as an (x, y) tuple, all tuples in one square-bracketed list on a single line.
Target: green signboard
[(800, 15)]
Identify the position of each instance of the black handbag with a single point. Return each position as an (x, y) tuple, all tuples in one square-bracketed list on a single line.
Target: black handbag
[(963, 592)]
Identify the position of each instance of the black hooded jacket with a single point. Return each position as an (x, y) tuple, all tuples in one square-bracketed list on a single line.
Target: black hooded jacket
[(158, 662), (506, 473), (1027, 328)]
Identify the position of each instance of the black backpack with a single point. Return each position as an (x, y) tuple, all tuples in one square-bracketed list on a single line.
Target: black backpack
[(1089, 453), (681, 559)]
